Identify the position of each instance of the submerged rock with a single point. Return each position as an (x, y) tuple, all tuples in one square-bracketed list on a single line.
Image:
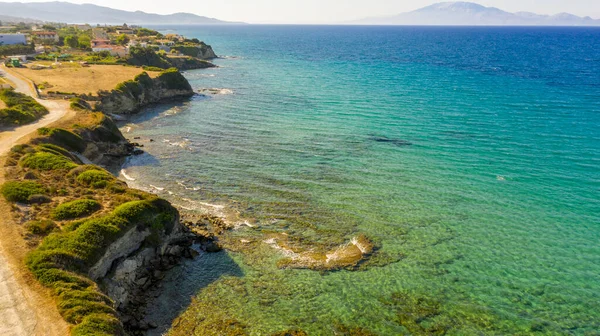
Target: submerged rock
[(396, 142), (347, 255)]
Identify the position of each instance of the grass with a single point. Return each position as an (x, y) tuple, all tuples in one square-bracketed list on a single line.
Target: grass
[(19, 109), (76, 209), (82, 80), (17, 191)]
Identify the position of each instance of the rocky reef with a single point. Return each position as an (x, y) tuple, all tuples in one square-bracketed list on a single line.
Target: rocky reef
[(316, 257), (131, 96)]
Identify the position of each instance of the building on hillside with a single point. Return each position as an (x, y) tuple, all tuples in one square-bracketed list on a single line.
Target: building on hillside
[(45, 36), (83, 27), (97, 42), (102, 47), (125, 31), (137, 43), (112, 49), (6, 39)]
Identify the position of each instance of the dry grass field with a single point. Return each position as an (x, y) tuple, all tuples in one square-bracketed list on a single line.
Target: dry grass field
[(72, 77)]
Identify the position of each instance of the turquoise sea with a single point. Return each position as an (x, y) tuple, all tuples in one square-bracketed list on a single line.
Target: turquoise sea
[(470, 156)]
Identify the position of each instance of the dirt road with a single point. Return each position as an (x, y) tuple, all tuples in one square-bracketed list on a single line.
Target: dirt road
[(24, 309)]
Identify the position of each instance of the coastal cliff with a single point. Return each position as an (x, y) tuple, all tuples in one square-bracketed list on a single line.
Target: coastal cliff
[(202, 51), (131, 96), (97, 244)]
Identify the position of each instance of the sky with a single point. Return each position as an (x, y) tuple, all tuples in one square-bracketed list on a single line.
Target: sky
[(328, 11)]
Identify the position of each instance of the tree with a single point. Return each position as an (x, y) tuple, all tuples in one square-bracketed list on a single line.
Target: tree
[(84, 42), (71, 41), (122, 39)]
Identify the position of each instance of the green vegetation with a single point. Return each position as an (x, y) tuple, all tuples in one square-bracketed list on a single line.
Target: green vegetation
[(16, 49), (62, 137), (80, 104), (21, 109), (47, 161), (17, 191), (139, 56), (41, 227), (95, 178), (122, 39), (63, 257), (174, 80), (71, 41), (76, 209), (144, 32)]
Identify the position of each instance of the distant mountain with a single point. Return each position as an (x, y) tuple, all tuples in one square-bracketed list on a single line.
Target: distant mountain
[(13, 19), (472, 14), (73, 13)]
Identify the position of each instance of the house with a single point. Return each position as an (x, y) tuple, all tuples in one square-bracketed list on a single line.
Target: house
[(97, 42), (45, 36), (83, 27), (167, 43), (6, 39), (112, 49), (101, 47), (125, 31), (136, 43)]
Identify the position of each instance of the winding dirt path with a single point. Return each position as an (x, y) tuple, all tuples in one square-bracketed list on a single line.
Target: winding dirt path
[(25, 307)]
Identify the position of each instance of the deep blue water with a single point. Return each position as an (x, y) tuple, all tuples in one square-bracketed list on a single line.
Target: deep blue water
[(471, 156)]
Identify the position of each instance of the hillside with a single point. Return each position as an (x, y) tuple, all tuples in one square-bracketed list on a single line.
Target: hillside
[(88, 13), (472, 14)]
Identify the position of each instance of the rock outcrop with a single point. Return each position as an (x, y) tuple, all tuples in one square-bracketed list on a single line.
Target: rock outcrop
[(131, 96)]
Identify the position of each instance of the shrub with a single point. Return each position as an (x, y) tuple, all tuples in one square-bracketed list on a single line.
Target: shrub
[(47, 161), (39, 199), (41, 228), (95, 178), (79, 104), (60, 255), (151, 68), (174, 80), (76, 209), (63, 138), (54, 149), (17, 191), (21, 108)]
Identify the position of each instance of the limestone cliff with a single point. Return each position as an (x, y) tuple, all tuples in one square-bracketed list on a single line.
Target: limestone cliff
[(131, 96)]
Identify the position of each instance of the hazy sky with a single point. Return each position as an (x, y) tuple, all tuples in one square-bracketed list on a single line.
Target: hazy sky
[(328, 11)]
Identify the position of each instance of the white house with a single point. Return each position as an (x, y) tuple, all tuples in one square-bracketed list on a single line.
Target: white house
[(6, 39)]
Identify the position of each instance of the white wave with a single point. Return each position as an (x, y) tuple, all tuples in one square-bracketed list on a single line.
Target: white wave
[(216, 91), (157, 188), (127, 177)]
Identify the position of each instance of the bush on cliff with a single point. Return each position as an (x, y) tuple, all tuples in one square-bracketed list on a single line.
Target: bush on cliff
[(41, 227), (20, 109), (62, 256), (47, 161), (95, 178), (174, 80), (17, 191), (79, 104), (62, 137), (76, 209), (140, 56)]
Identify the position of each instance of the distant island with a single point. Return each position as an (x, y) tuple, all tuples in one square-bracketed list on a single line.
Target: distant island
[(472, 14), (87, 13)]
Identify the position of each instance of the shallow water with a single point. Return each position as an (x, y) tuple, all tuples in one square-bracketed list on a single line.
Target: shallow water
[(471, 156)]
